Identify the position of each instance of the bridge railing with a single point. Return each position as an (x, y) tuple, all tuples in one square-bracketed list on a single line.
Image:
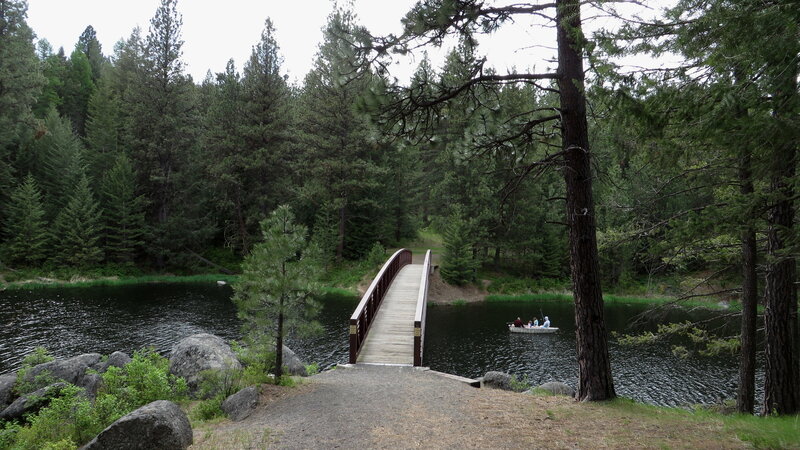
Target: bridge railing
[(367, 308), (419, 315)]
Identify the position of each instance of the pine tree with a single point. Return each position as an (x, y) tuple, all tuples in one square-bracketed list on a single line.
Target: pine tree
[(56, 161), (90, 46), (25, 226), (104, 128), (346, 174), (123, 212), (458, 265), (20, 82), (54, 67), (275, 294), (77, 90), (77, 229), (161, 127)]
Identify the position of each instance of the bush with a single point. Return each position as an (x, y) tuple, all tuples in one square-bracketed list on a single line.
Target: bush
[(208, 409), (258, 363), (143, 380), (23, 386), (312, 369), (376, 256), (66, 420)]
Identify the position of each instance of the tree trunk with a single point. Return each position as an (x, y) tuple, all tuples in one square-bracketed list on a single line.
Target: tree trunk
[(745, 396), (340, 239), (594, 366), (279, 347), (245, 237), (781, 377)]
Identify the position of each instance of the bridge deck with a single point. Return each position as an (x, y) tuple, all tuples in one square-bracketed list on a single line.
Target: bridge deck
[(391, 336)]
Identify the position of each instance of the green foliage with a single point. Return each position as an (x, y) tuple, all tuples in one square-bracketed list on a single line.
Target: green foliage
[(519, 384), (376, 256), (25, 226), (68, 417), (21, 80), (8, 433), (208, 409), (123, 212), (700, 339), (312, 369), (287, 381), (23, 385), (76, 229), (514, 285), (458, 264), (277, 291), (143, 380)]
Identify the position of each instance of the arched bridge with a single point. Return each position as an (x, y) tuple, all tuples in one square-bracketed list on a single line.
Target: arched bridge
[(388, 325)]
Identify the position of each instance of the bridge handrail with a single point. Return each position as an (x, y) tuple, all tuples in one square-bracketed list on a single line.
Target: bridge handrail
[(419, 315), (365, 312)]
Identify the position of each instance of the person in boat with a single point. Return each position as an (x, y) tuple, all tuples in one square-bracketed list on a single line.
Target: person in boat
[(529, 324), (518, 323), (546, 323), (535, 323)]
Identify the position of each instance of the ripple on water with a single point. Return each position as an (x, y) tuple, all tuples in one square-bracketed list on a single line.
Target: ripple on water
[(467, 340)]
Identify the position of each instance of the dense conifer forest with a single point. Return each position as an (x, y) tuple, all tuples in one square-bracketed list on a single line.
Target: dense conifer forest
[(115, 160)]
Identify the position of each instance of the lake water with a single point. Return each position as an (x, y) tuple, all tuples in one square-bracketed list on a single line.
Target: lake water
[(466, 340)]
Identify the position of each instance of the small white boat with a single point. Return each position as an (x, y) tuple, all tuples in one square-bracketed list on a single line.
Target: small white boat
[(533, 330)]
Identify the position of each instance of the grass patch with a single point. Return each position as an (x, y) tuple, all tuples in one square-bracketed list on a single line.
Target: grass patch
[(499, 298), (761, 432), (553, 297), (765, 432), (113, 281)]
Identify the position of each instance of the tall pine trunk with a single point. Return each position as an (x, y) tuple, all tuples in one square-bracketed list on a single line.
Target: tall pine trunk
[(594, 366), (745, 396), (279, 341), (340, 236), (781, 378)]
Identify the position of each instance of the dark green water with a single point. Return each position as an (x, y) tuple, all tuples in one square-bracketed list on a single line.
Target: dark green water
[(465, 340)]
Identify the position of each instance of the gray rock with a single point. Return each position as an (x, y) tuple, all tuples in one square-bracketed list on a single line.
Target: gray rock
[(497, 380), (294, 366), (7, 389), (198, 353), (160, 425), (30, 403), (72, 370), (116, 359), (91, 384), (239, 405), (557, 388)]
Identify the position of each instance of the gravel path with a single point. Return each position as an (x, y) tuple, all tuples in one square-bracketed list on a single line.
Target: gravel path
[(365, 407)]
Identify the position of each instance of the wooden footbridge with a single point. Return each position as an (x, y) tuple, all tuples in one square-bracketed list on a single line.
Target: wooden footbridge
[(388, 325)]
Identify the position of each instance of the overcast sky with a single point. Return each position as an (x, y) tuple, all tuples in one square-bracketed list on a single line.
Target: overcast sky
[(214, 32)]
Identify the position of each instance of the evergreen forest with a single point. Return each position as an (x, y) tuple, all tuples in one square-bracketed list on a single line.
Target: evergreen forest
[(674, 181)]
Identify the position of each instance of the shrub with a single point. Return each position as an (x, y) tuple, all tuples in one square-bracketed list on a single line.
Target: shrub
[(257, 361), (67, 420), (376, 256), (312, 369), (220, 382), (208, 409), (23, 386), (143, 380)]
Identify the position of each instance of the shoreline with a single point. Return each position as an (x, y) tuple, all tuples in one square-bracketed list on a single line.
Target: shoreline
[(114, 281)]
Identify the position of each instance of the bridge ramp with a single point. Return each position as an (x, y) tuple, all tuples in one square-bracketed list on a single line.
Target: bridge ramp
[(391, 336)]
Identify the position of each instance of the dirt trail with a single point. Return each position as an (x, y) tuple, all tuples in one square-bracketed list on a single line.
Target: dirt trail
[(367, 407)]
